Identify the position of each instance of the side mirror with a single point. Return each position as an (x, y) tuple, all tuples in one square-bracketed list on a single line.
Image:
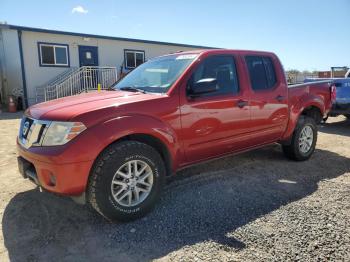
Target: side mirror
[(203, 86)]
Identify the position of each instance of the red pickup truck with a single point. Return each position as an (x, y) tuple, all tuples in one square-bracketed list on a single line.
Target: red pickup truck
[(113, 149)]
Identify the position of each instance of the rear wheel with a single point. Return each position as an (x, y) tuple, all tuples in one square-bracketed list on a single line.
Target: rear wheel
[(303, 141), (126, 181)]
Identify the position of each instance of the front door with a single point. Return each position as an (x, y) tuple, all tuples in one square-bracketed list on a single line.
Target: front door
[(88, 55), (215, 123)]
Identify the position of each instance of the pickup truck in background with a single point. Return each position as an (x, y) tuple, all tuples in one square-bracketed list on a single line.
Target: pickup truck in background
[(341, 105), (113, 149)]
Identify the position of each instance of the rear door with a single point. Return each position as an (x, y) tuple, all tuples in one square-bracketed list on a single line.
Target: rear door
[(269, 99)]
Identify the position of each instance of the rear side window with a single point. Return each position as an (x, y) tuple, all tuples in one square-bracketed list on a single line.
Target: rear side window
[(222, 68), (261, 72)]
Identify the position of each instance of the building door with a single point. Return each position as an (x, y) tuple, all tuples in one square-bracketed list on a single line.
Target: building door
[(88, 57)]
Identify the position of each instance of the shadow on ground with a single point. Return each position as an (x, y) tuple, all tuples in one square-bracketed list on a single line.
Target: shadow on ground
[(204, 203), (338, 128), (9, 116)]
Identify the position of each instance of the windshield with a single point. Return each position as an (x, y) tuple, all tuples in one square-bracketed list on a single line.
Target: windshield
[(156, 75)]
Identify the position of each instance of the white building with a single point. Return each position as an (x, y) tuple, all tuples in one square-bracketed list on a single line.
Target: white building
[(37, 64)]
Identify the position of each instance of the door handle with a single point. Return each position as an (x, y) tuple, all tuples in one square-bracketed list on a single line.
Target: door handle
[(279, 98), (242, 103)]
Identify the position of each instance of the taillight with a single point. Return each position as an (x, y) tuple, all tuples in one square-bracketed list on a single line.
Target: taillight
[(333, 93)]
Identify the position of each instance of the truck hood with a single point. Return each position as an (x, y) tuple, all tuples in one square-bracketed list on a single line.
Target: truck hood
[(65, 109)]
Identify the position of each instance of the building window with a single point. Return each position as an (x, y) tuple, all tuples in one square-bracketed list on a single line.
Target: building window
[(133, 58), (53, 54)]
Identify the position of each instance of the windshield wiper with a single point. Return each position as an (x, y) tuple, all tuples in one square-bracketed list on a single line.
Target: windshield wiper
[(132, 89)]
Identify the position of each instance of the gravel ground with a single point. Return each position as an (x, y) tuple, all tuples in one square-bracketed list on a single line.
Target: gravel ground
[(257, 206)]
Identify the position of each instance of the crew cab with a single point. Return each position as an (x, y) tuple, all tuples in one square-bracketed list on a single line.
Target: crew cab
[(113, 149)]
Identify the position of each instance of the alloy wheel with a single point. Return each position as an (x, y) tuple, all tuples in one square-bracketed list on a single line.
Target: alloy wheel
[(132, 183), (306, 138)]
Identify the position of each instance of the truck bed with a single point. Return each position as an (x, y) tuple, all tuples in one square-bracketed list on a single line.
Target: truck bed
[(321, 90), (341, 104)]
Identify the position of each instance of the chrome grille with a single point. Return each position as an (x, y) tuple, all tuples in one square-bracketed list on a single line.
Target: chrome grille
[(32, 131)]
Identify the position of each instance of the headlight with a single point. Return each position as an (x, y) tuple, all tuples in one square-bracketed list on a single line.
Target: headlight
[(59, 133)]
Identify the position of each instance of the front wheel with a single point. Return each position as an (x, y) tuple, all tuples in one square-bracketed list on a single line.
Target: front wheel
[(303, 141), (126, 181)]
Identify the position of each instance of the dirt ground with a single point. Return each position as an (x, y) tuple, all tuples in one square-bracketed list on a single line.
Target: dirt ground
[(255, 206)]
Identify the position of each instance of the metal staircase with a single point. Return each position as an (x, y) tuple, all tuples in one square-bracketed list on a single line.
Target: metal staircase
[(75, 81)]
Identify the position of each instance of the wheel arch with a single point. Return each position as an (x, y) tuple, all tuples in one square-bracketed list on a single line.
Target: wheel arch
[(311, 109), (148, 139), (313, 112), (154, 142), (142, 128)]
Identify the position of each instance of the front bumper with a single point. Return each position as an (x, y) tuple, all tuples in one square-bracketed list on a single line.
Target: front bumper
[(44, 167)]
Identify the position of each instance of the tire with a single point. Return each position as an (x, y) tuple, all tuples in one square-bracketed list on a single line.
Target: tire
[(296, 149), (114, 164)]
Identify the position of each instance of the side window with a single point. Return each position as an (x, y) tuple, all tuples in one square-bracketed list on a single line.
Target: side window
[(223, 69), (261, 72), (270, 72)]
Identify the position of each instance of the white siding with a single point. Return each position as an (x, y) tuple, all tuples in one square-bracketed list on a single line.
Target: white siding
[(10, 63), (110, 53)]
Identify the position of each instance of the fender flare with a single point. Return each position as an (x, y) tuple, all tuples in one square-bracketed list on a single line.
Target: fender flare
[(137, 124), (297, 110)]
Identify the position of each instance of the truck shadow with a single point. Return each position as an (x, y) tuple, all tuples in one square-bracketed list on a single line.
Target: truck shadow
[(9, 116), (338, 128), (207, 202)]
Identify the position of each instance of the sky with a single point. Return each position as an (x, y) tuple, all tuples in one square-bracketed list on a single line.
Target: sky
[(306, 35)]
